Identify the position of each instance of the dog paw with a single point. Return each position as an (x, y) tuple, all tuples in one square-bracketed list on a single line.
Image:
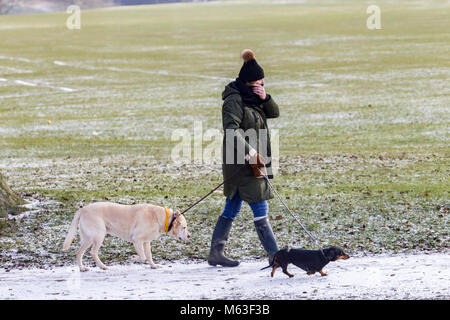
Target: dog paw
[(155, 266), (135, 258), (84, 269)]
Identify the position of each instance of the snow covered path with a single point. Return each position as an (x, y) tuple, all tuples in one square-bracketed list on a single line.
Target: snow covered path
[(401, 276)]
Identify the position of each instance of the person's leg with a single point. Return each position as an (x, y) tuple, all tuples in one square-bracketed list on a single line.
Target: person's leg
[(263, 229), (232, 207), (222, 231), (260, 209)]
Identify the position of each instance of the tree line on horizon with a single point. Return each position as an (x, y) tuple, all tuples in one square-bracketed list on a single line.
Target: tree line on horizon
[(20, 6)]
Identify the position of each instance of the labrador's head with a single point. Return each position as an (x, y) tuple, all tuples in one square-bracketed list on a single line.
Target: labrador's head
[(179, 228)]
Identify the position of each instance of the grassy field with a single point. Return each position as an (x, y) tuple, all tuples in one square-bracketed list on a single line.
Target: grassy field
[(88, 115)]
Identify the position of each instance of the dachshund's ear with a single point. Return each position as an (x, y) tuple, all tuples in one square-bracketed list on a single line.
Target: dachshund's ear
[(329, 254)]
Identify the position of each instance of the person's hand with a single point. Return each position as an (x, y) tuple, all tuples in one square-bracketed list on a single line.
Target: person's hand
[(257, 160), (258, 164), (260, 91), (259, 172)]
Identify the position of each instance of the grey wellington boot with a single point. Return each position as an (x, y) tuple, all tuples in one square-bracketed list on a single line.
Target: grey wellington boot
[(266, 237), (219, 238)]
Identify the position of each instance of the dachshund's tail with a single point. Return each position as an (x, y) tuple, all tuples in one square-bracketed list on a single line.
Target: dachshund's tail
[(275, 257), (270, 265)]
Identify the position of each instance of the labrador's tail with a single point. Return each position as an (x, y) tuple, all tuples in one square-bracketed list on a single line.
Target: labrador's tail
[(72, 230)]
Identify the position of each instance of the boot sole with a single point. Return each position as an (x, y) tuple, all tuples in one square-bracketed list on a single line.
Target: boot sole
[(214, 264)]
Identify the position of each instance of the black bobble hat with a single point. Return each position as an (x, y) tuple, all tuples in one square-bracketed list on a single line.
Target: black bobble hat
[(251, 70)]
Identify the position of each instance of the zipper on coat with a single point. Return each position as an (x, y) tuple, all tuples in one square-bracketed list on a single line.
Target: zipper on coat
[(254, 116)]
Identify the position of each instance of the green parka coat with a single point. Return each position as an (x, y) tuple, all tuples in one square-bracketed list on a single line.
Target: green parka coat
[(241, 124)]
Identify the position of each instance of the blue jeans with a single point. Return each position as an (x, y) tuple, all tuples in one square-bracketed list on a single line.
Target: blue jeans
[(233, 206)]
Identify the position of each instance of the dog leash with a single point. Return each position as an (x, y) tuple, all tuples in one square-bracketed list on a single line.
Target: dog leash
[(205, 196), (292, 214), (275, 191)]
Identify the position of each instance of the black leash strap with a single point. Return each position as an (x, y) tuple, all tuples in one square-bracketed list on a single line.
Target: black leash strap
[(204, 197)]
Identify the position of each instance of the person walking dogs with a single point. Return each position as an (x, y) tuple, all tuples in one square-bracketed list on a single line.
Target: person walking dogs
[(246, 151)]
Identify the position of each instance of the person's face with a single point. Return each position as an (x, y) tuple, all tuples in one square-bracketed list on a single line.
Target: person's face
[(259, 82)]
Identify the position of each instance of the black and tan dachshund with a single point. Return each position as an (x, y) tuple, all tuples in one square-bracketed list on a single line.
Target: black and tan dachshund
[(311, 261)]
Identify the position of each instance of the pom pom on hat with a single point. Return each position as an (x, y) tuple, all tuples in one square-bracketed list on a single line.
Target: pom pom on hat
[(247, 55)]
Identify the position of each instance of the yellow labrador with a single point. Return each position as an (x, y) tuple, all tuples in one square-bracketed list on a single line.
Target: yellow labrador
[(140, 224)]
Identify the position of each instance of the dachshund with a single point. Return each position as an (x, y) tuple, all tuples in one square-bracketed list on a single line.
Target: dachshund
[(311, 261)]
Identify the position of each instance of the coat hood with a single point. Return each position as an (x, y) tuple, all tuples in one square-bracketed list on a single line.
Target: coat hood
[(229, 90)]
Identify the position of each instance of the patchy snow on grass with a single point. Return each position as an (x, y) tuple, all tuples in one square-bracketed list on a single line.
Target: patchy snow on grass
[(421, 276), (39, 84), (15, 59), (60, 63), (25, 83), (34, 207), (134, 70), (12, 70)]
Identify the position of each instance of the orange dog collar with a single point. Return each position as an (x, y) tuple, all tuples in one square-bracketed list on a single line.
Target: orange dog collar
[(166, 225)]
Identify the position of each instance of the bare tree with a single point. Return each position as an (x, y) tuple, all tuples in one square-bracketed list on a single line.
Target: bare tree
[(9, 200), (7, 5), (88, 4)]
